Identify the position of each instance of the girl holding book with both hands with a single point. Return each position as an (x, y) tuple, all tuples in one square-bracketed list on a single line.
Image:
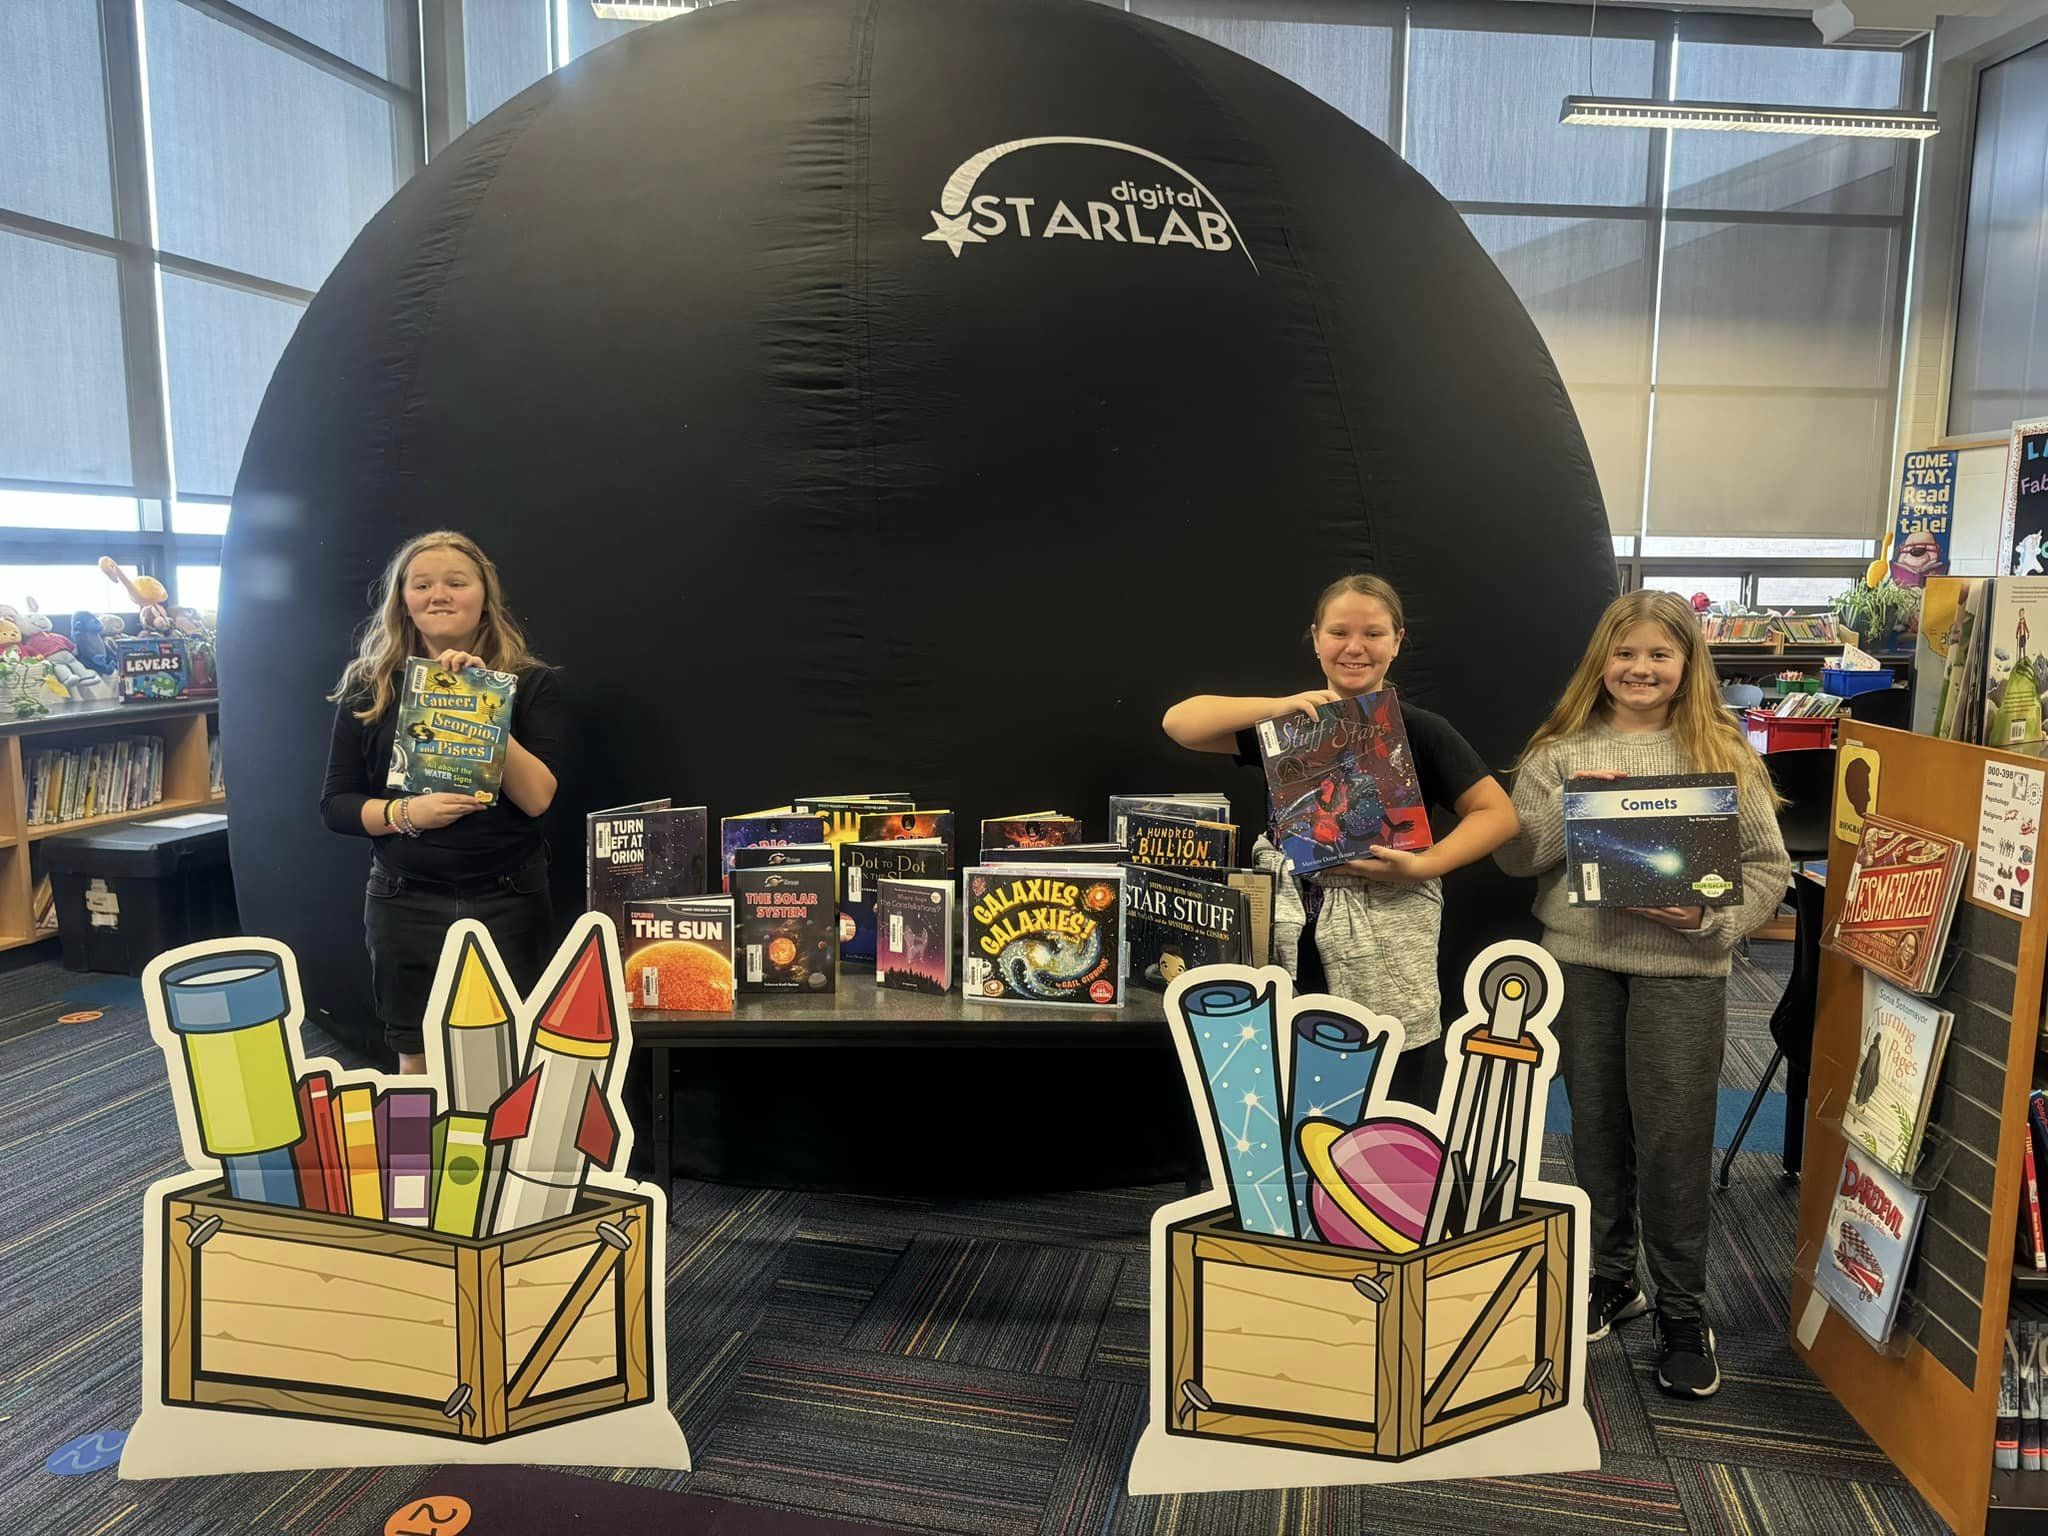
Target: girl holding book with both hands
[(1368, 930), (1645, 1007), (439, 857)]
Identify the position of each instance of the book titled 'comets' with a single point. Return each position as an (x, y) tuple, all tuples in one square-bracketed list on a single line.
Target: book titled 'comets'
[(1660, 840)]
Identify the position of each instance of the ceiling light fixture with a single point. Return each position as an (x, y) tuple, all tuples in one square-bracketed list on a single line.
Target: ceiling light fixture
[(644, 10), (1739, 117)]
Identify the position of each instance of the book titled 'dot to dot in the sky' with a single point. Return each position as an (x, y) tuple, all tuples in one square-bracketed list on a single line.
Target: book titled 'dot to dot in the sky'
[(1656, 840)]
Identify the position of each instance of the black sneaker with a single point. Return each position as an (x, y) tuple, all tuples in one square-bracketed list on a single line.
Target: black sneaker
[(1614, 1301), (1685, 1357)]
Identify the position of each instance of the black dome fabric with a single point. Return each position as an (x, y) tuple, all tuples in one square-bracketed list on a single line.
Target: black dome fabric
[(811, 479)]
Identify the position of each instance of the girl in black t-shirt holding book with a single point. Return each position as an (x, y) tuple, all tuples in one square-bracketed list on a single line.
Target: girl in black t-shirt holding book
[(1368, 929), (436, 858)]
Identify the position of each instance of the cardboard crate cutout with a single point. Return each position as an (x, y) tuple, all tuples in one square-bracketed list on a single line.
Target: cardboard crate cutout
[(1370, 1291), (373, 1270)]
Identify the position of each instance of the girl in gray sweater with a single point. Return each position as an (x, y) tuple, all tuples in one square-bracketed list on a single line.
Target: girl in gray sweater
[(1645, 989)]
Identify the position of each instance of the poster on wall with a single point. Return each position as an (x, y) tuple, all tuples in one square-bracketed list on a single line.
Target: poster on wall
[(2023, 525), (2008, 836), (1926, 514)]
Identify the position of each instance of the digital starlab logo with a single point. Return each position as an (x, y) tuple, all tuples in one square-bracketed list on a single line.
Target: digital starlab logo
[(1134, 210)]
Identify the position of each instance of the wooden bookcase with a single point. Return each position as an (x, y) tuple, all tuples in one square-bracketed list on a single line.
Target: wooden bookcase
[(184, 727), (1934, 1410)]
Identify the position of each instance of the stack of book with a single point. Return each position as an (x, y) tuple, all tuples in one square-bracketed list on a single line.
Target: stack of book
[(108, 777), (386, 1156)]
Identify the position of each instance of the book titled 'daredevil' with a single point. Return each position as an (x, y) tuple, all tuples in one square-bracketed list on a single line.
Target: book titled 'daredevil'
[(1658, 840), (1898, 902), (1868, 1242), (451, 730), (1343, 782)]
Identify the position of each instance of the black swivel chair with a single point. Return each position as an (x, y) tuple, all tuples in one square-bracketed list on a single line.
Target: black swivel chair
[(1807, 781)]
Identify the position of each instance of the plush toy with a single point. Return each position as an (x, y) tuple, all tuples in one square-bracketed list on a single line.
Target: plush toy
[(89, 634), (148, 593), (21, 677), (40, 640)]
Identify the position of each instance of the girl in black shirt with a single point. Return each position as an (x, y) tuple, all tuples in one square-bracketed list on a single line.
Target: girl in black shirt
[(436, 858)]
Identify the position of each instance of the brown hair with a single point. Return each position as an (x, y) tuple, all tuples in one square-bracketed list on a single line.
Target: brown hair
[(1376, 587), (389, 635), (1707, 736)]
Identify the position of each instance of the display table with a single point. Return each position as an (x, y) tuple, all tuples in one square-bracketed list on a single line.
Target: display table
[(862, 1017)]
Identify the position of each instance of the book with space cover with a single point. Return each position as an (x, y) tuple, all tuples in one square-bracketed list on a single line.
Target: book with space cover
[(1867, 1244), (1051, 934), (1179, 842), (862, 866), (1071, 853), (1904, 1039), (1656, 840), (1898, 902), (678, 955), (761, 829), (1032, 829), (914, 934), (450, 731), (1194, 805), (1175, 920), (910, 826), (773, 855), (842, 813), (1343, 782), (640, 852), (788, 932)]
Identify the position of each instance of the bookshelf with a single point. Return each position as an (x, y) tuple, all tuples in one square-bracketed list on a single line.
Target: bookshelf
[(1933, 1410), (185, 728)]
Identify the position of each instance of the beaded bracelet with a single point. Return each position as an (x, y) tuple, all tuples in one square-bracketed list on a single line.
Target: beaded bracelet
[(405, 819)]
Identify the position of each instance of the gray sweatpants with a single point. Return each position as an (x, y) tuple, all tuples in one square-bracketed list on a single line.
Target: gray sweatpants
[(1642, 1069)]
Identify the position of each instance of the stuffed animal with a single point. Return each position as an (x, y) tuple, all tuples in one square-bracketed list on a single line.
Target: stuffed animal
[(40, 641), (148, 593), (89, 634), (21, 677)]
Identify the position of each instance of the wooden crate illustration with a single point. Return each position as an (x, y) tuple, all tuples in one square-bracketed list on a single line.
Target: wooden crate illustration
[(273, 1310), (1275, 1341)]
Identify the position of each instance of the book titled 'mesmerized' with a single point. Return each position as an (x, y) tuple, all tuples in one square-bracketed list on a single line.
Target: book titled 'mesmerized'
[(1343, 782), (451, 731), (1049, 934), (1659, 840), (1898, 902)]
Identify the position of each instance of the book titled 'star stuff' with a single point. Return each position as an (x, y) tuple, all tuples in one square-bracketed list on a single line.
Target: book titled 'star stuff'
[(1659, 840), (451, 731), (1175, 920)]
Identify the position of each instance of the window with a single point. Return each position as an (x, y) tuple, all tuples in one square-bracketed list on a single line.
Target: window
[(1348, 64), (588, 30), (504, 50), (63, 379), (2001, 358), (200, 517), (199, 587), (66, 509), (1798, 591), (220, 345), (67, 588), (1719, 589), (54, 161)]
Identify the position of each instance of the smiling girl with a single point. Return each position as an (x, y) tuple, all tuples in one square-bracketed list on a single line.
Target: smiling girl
[(1368, 930), (1646, 989), (436, 858)]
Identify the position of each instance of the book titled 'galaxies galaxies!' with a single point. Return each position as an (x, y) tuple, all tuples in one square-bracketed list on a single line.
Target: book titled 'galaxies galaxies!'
[(1343, 782), (1659, 840), (1045, 935)]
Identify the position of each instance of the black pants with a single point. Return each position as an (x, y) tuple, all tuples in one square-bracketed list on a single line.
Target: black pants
[(405, 920)]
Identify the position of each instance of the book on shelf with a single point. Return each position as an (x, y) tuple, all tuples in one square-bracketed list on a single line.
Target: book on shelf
[(43, 905), (1050, 934), (460, 1166), (216, 785), (917, 826), (1656, 840), (760, 829), (639, 852), (1031, 829), (1175, 920), (1192, 804), (788, 930), (1867, 1244), (679, 954), (1898, 1061), (405, 1149), (1343, 782), (914, 934), (451, 730), (862, 866), (105, 778), (1943, 632), (1898, 902), (1179, 842), (2032, 1252), (2015, 671)]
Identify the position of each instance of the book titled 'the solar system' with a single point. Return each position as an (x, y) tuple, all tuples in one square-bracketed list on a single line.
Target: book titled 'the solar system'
[(1658, 840)]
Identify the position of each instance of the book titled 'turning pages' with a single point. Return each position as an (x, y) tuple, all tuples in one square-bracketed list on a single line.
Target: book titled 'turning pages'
[(1658, 840), (1343, 782), (1898, 902)]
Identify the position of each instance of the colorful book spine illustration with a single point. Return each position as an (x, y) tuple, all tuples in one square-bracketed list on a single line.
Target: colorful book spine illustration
[(2031, 1247), (358, 1116), (228, 1011), (1032, 829), (460, 1157), (1343, 782), (1660, 840), (314, 1089), (451, 730), (405, 1138)]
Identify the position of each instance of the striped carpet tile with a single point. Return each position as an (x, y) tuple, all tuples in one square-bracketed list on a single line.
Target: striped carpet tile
[(1752, 1501), (1006, 1306)]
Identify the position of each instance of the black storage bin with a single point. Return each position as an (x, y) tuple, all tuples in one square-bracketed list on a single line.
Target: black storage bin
[(126, 894)]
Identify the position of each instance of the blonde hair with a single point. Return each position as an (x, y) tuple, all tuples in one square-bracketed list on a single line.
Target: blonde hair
[(1375, 587), (1707, 736), (389, 635)]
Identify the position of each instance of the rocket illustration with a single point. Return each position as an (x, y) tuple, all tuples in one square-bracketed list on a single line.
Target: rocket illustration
[(556, 1118), (228, 1010)]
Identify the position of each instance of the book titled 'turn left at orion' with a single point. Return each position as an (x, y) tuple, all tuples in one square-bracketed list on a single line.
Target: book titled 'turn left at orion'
[(451, 731), (1654, 840)]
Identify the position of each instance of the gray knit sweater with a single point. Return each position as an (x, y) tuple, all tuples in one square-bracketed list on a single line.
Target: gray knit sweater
[(1612, 939)]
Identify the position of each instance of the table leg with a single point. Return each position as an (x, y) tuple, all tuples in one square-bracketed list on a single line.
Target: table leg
[(662, 1091)]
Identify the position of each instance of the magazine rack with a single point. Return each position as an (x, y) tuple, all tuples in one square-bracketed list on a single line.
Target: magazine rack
[(1933, 1408)]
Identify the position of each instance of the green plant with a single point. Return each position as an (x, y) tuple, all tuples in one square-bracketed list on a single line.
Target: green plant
[(1879, 612)]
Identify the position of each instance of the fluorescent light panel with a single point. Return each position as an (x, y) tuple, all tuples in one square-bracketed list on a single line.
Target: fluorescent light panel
[(1848, 122), (642, 10)]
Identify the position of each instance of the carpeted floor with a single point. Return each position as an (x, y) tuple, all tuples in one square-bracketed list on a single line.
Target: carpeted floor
[(904, 1364)]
